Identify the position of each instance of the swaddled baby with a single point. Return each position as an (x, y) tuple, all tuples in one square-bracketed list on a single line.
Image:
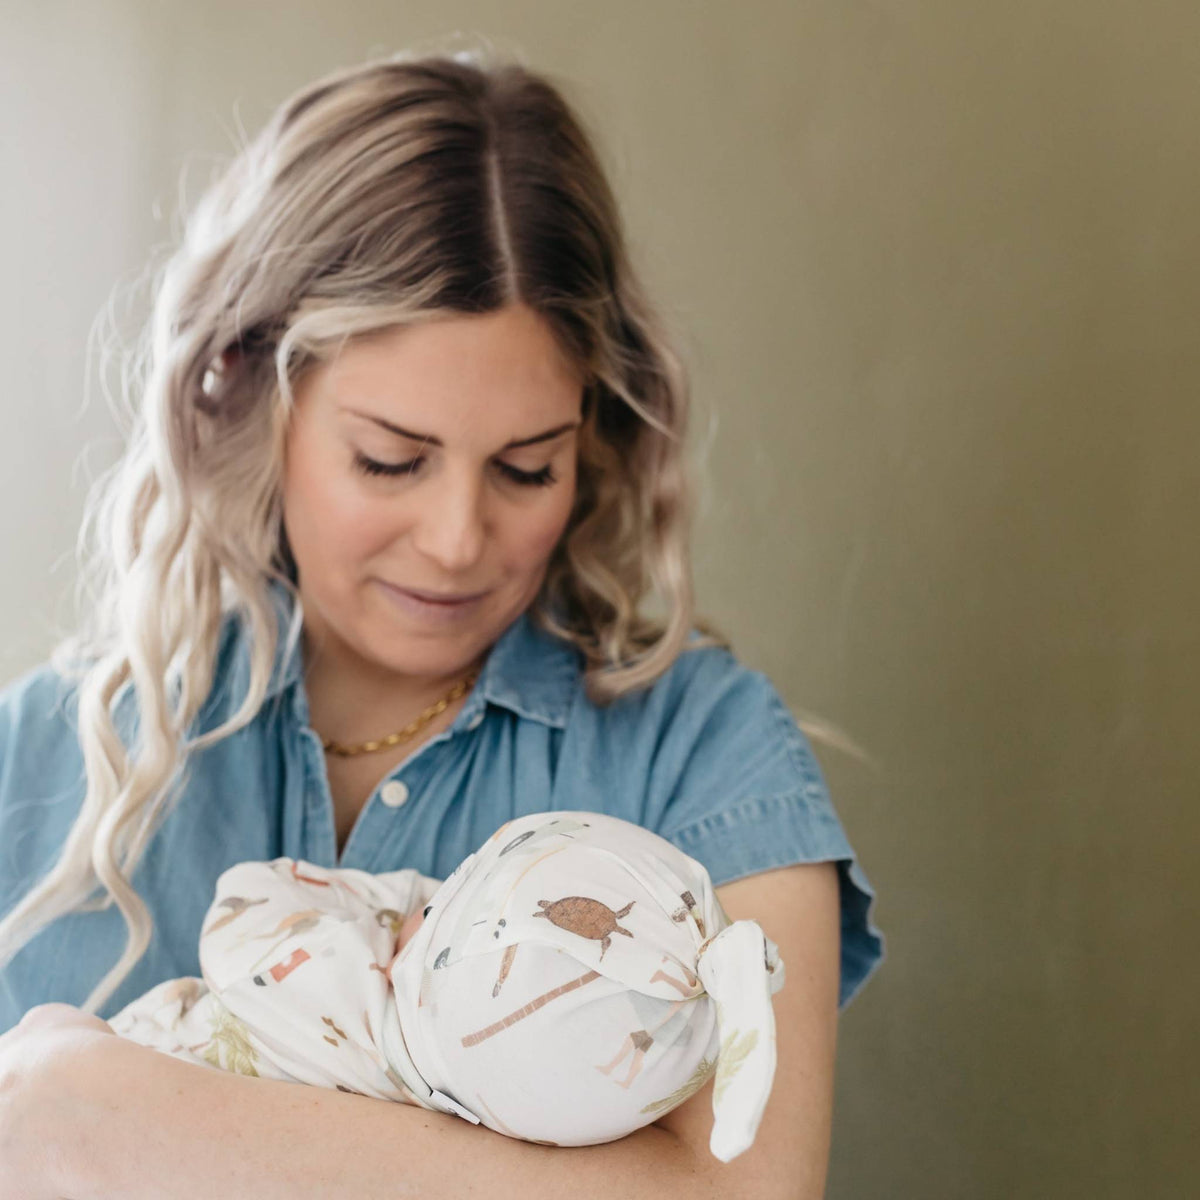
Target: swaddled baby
[(572, 980)]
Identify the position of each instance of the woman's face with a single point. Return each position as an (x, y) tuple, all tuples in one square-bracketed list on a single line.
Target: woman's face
[(438, 457)]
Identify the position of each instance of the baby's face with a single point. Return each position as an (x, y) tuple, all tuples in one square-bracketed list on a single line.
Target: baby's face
[(411, 924)]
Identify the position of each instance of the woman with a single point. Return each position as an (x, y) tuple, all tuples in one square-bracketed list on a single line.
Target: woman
[(367, 583)]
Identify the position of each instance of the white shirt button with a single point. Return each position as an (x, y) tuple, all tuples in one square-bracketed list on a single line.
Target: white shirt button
[(393, 793), (476, 720)]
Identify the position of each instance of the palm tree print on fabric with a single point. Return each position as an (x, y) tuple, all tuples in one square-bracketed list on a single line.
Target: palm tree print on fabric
[(230, 1034), (733, 1054), (700, 1076)]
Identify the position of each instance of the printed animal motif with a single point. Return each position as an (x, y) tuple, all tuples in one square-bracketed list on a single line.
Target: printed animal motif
[(497, 884), (587, 917), (237, 905), (681, 914)]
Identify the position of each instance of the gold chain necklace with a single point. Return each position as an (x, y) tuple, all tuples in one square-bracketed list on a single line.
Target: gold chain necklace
[(392, 739)]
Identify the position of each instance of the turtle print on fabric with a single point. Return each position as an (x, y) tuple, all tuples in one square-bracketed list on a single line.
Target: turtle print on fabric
[(586, 917)]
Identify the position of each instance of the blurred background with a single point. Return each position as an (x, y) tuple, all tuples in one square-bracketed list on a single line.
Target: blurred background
[(936, 271)]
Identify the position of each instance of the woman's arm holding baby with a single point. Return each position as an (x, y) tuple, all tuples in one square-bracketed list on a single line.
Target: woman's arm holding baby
[(86, 1115), (798, 909), (166, 1127), (113, 1118)]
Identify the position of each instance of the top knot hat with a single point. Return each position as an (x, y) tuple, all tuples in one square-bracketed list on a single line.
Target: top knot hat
[(575, 979)]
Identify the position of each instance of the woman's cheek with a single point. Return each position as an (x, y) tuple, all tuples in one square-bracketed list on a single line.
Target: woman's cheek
[(411, 924), (360, 526)]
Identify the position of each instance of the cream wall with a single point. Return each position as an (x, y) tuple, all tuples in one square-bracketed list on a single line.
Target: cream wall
[(936, 269)]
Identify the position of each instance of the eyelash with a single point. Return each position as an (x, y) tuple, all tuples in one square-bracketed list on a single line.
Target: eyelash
[(540, 478)]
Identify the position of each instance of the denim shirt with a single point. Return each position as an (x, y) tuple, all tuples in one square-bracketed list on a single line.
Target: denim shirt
[(708, 757)]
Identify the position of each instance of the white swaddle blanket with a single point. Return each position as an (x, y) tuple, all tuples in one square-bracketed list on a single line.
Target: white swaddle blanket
[(573, 980)]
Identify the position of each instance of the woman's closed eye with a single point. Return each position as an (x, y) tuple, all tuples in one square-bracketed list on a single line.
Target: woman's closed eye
[(369, 466)]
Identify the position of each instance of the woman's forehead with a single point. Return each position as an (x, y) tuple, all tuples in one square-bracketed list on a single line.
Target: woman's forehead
[(497, 370)]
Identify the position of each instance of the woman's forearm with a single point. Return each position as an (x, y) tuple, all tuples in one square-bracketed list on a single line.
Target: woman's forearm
[(160, 1127)]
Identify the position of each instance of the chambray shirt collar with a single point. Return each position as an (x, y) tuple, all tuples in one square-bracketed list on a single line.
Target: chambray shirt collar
[(528, 671)]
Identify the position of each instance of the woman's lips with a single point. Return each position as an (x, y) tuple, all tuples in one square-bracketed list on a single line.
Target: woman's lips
[(439, 597), (421, 604)]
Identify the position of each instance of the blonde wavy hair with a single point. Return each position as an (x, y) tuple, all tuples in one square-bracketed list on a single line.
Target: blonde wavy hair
[(398, 191)]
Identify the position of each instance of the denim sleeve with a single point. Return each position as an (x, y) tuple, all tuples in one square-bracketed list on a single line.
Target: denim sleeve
[(740, 790)]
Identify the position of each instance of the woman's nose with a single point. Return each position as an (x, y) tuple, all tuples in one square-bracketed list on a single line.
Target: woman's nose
[(450, 528)]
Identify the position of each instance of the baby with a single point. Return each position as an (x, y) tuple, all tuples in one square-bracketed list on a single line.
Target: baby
[(571, 981)]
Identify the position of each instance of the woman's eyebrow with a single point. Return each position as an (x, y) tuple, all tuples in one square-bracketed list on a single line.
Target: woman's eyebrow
[(430, 440)]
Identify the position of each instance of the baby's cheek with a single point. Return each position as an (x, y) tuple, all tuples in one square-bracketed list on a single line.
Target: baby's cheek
[(411, 924)]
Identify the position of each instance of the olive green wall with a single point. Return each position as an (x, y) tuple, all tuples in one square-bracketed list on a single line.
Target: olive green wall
[(936, 269)]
